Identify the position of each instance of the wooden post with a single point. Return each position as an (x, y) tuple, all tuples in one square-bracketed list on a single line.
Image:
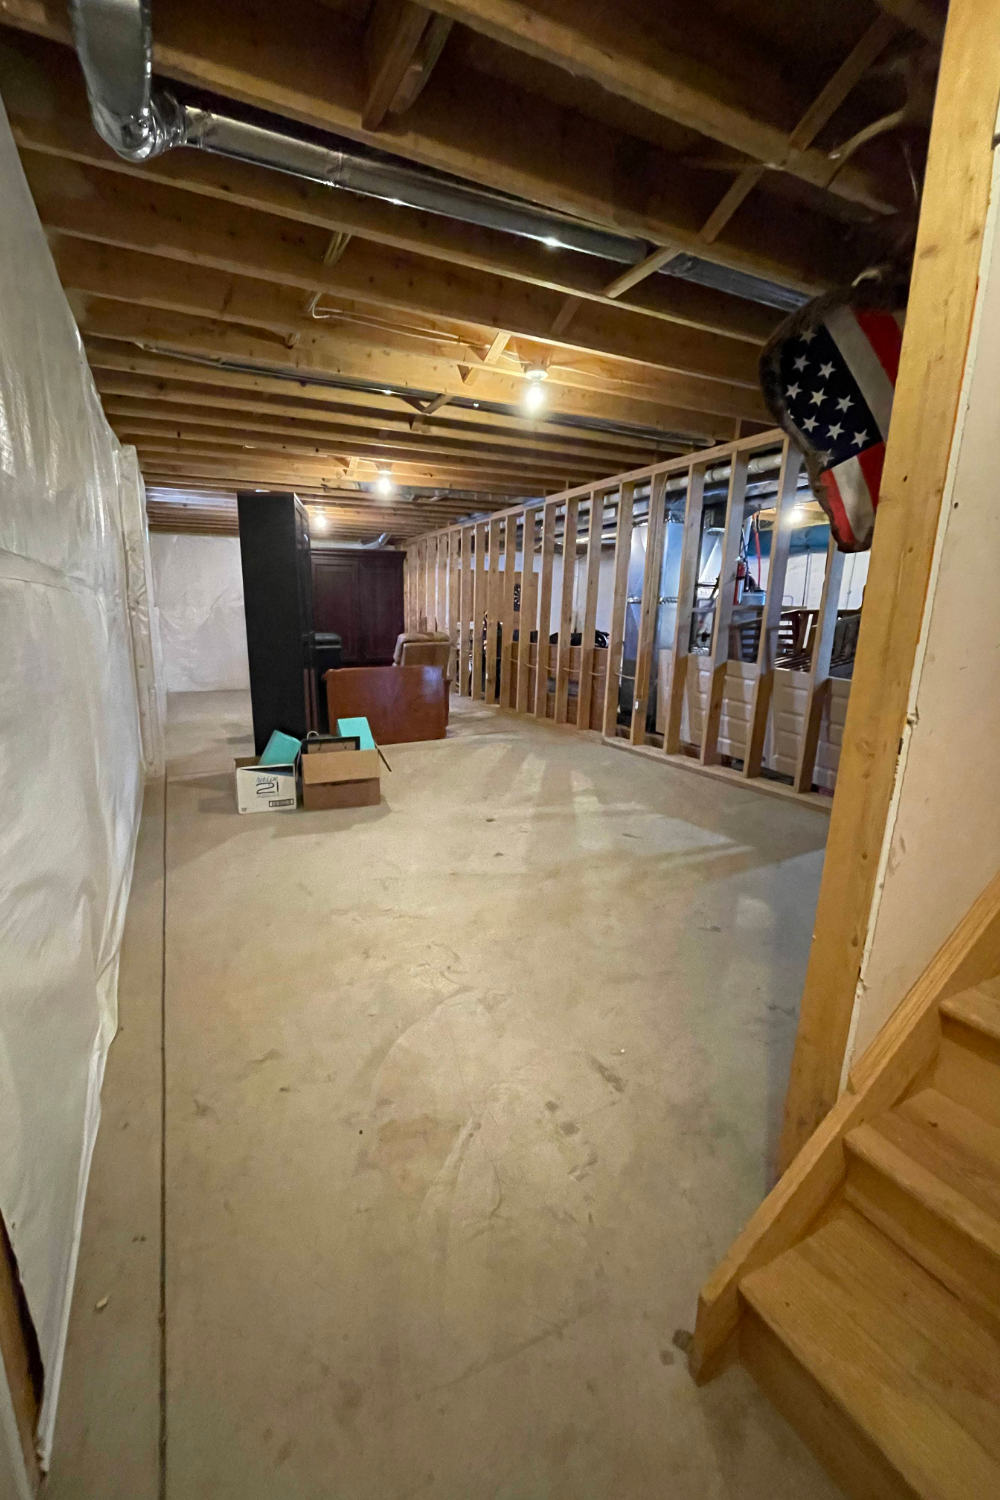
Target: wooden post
[(545, 609), (529, 609), (819, 668), (724, 608), (566, 609), (770, 620), (507, 615), (616, 636), (478, 611), (454, 586), (649, 608), (939, 315), (593, 579), (687, 593), (465, 611), (493, 596)]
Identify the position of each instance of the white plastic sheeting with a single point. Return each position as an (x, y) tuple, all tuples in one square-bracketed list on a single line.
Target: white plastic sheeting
[(198, 582), (79, 726)]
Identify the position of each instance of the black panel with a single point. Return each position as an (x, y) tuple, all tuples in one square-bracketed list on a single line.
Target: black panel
[(277, 597)]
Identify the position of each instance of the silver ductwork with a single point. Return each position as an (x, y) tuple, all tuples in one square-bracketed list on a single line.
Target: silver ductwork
[(140, 120)]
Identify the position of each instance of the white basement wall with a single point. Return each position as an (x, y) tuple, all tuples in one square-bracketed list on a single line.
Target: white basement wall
[(199, 596), (942, 843)]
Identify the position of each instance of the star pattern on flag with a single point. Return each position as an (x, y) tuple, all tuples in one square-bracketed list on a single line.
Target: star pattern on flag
[(818, 406)]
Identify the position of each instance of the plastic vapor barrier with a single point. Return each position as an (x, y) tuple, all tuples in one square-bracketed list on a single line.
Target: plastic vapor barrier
[(80, 723), (199, 592)]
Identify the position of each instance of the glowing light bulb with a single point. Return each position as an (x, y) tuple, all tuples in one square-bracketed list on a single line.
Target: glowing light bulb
[(384, 483), (534, 397), (319, 521)]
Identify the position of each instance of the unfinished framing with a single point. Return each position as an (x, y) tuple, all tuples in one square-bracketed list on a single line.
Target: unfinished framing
[(688, 671)]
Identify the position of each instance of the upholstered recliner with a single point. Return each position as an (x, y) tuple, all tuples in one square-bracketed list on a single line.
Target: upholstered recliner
[(424, 648)]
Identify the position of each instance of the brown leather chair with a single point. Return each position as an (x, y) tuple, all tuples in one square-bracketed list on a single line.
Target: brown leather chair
[(424, 648), (401, 704)]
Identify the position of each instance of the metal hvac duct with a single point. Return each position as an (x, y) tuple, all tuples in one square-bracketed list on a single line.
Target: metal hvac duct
[(114, 42)]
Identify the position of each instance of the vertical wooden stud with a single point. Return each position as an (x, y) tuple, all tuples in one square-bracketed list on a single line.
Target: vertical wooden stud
[(616, 637), (507, 611), (819, 668), (493, 596), (478, 612), (454, 578), (528, 612), (566, 609), (545, 609), (719, 656), (592, 582), (465, 649), (770, 622), (687, 593), (648, 610)]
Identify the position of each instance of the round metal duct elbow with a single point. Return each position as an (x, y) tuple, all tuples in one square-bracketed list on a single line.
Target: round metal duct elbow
[(114, 42)]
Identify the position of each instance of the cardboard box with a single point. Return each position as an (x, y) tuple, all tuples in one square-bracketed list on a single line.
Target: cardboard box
[(340, 777), (265, 788), (322, 795)]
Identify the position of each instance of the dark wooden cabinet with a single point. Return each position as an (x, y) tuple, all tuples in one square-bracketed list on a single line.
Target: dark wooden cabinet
[(359, 596), (277, 602)]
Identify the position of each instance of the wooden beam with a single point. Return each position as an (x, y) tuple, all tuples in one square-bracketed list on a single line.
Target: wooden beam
[(646, 65), (719, 654), (466, 628), (639, 271), (121, 402), (507, 612), (819, 669), (309, 68), (770, 622), (920, 16), (545, 610), (616, 635), (344, 357), (939, 318), (479, 612), (649, 609), (687, 594), (391, 41), (493, 597), (820, 112), (592, 580), (566, 593), (122, 372), (120, 212), (528, 613)]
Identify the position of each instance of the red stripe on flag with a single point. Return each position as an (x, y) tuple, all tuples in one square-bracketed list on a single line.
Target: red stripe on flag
[(872, 461), (885, 336), (843, 534)]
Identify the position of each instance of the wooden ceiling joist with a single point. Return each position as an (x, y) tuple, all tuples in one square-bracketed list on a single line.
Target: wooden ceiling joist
[(119, 212), (309, 67), (646, 65), (350, 357)]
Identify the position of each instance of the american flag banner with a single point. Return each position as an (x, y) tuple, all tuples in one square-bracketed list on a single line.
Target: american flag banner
[(828, 375)]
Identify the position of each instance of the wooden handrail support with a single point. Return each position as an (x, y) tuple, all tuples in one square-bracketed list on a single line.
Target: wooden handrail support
[(897, 1056)]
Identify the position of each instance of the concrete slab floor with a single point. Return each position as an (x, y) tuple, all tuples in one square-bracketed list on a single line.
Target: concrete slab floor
[(466, 1094)]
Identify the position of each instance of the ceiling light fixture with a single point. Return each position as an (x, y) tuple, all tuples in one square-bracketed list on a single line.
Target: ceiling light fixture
[(534, 396), (320, 521), (384, 483)]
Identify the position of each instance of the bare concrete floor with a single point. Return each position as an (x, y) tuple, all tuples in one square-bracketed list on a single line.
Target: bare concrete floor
[(465, 1095)]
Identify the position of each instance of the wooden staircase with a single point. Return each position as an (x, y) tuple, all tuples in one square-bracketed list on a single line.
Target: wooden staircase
[(864, 1296)]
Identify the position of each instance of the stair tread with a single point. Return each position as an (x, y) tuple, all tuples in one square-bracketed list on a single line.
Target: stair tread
[(894, 1146), (894, 1350), (951, 1141), (977, 1008)]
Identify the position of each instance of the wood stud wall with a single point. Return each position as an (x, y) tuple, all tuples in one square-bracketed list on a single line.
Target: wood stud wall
[(466, 576)]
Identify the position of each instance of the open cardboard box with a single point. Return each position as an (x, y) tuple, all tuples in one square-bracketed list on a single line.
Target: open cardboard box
[(337, 774)]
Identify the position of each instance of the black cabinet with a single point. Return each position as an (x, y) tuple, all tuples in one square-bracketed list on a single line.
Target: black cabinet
[(359, 596), (277, 599)]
